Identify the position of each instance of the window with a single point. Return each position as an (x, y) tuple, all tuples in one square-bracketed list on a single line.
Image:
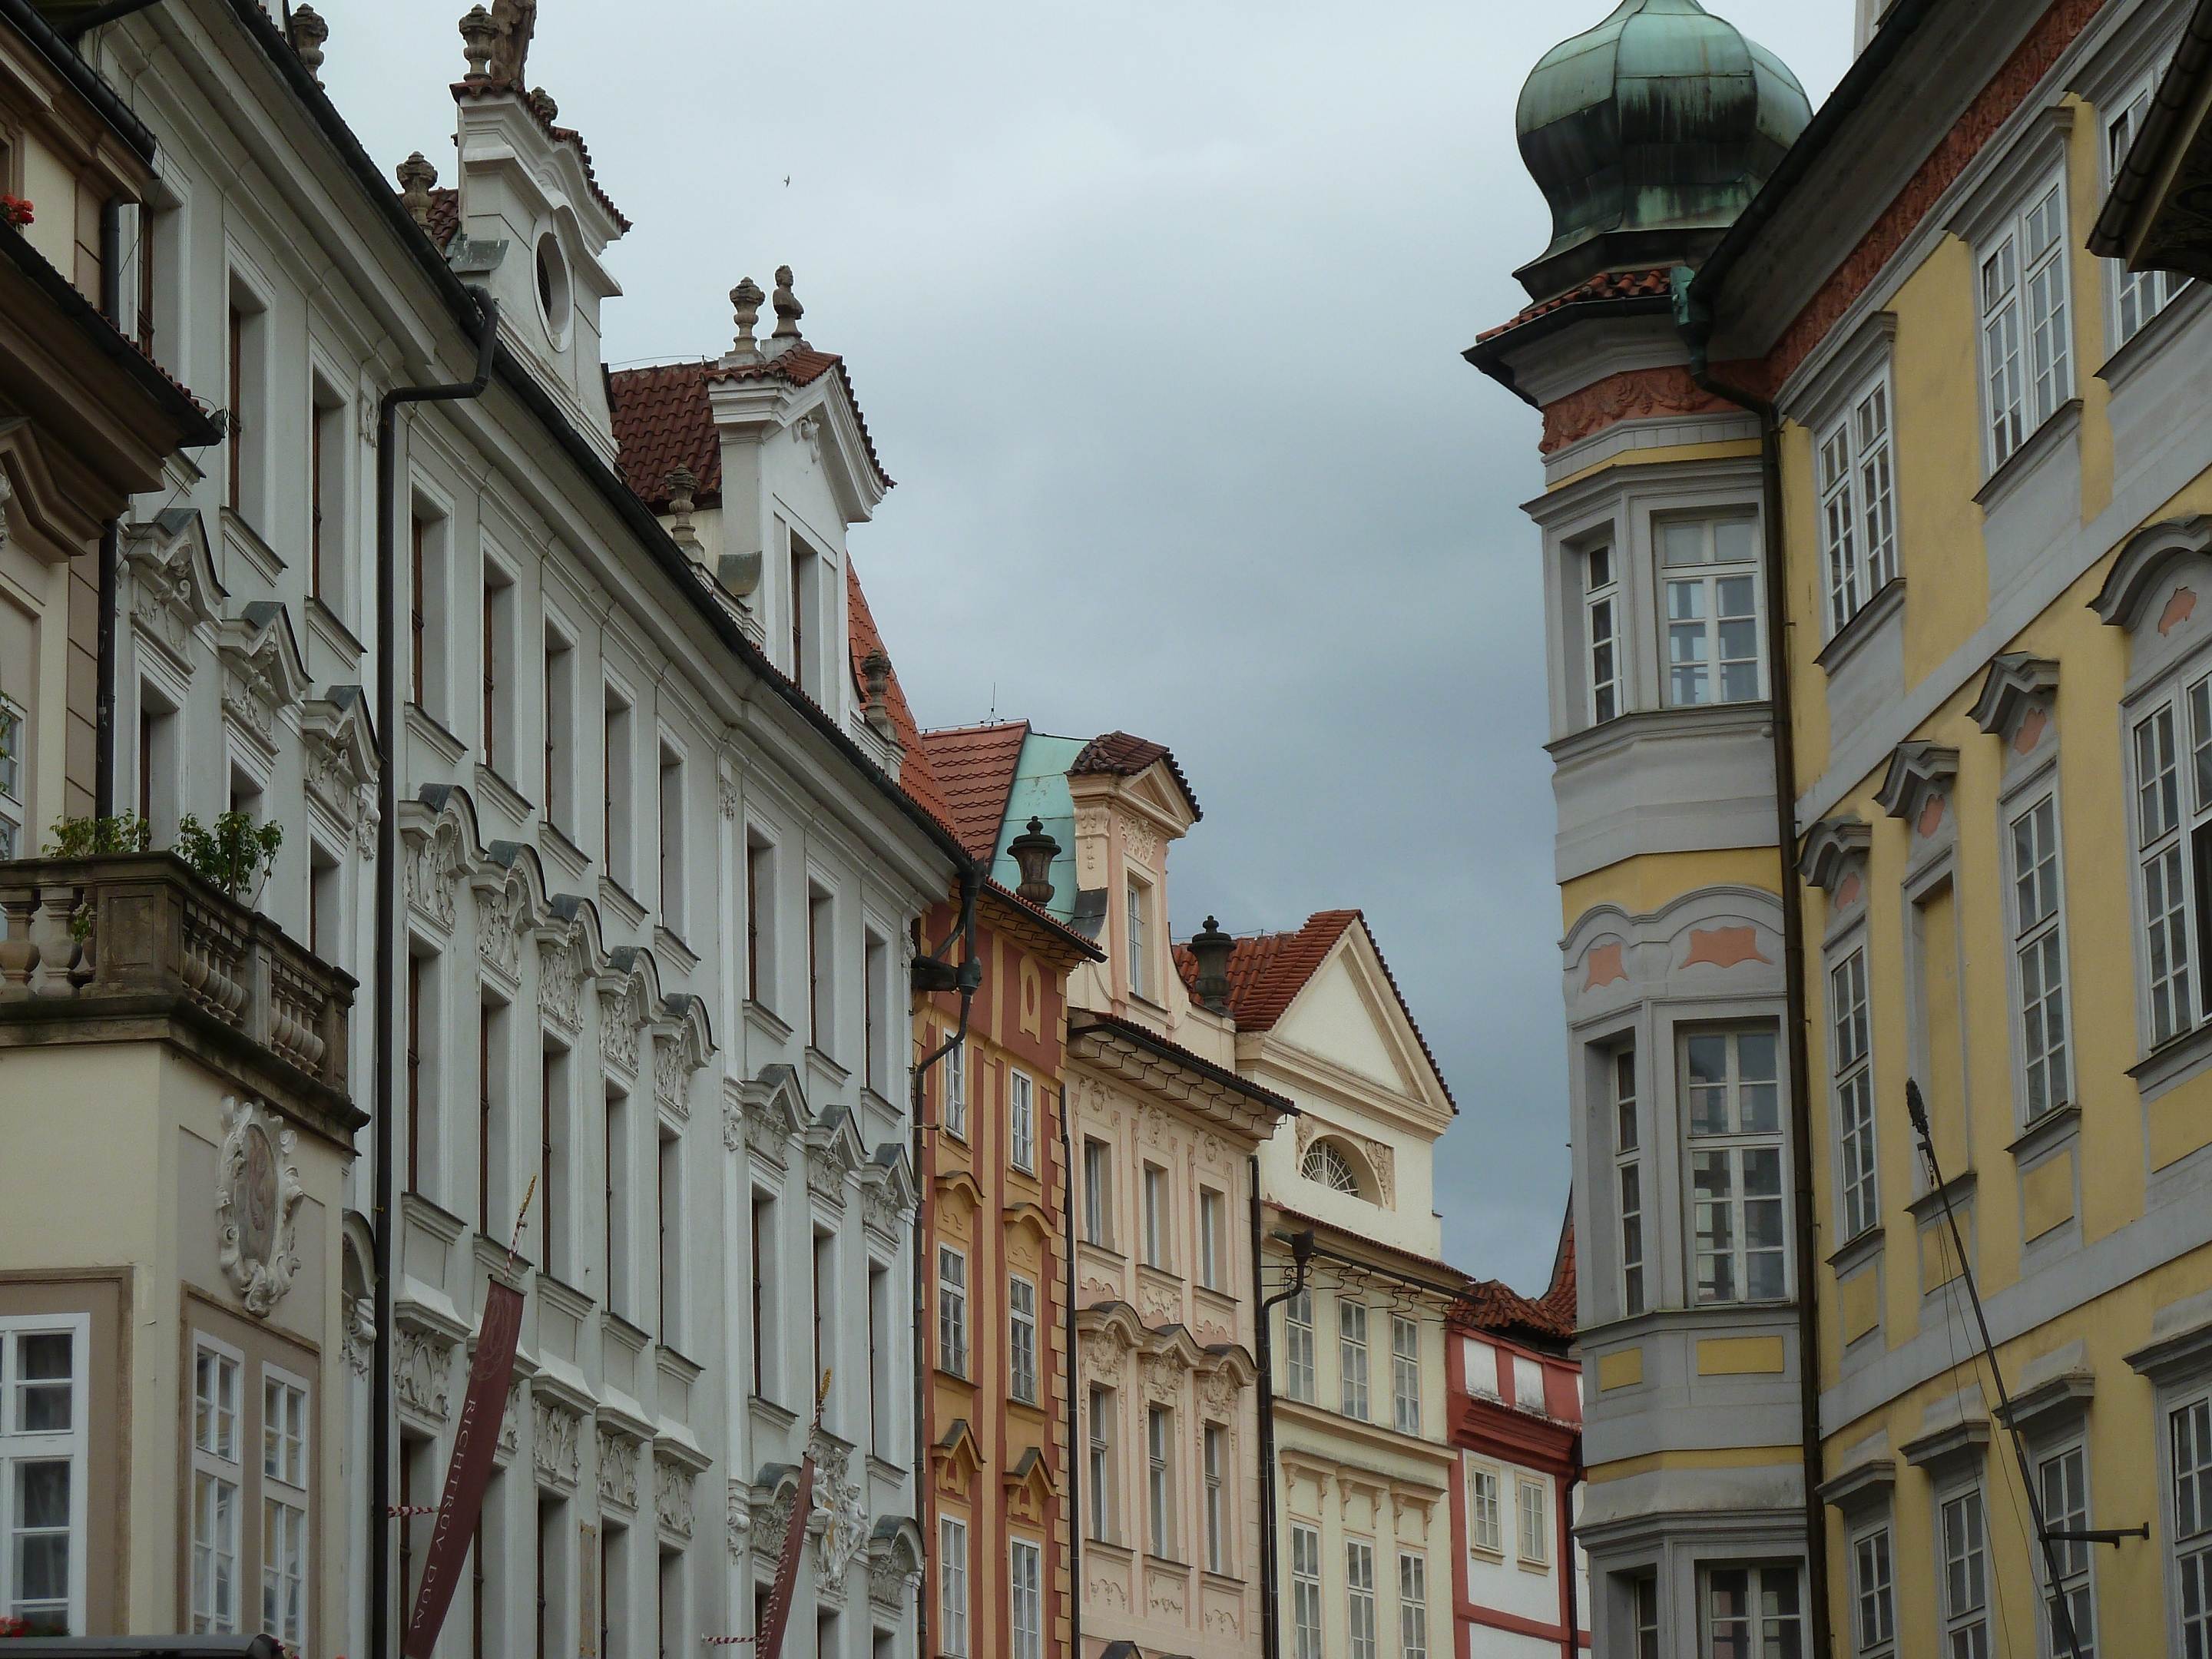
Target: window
[(1412, 1606), (672, 841), (1211, 1243), (1530, 1507), (1628, 1172), (956, 1091), (1305, 1592), (1217, 1519), (491, 1034), (952, 1584), (668, 1218), (1858, 516), (1752, 1610), (2140, 295), (1873, 1597), (552, 1158), (216, 1477), (1298, 1348), (821, 965), (498, 711), (1325, 1163), (804, 609), (1646, 1594), (1138, 899), (1485, 1526), (1714, 654), (1528, 1383), (1351, 1356), (326, 450), (1097, 1194), (1601, 623), (2190, 1430), (427, 619), (1854, 1067), (1021, 1114), (1481, 1368), (2026, 364), (1966, 1578), (1026, 1599), (1156, 1216), (285, 1442), (560, 781), (43, 1431), (11, 780), (1021, 1340), (1359, 1598), (1735, 1165), (419, 1104), (764, 1274), (2064, 1479), (2040, 955), (1099, 1491), (2176, 842), (1405, 1374), (246, 485), (882, 1399), (952, 1310), (1159, 1512), (615, 825), (874, 967)]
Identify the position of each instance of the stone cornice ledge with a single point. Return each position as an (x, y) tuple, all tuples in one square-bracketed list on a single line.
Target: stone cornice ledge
[(1646, 725), (1958, 1190), (2060, 1123), (2065, 421), (1864, 1484), (2173, 1062), (1846, 642)]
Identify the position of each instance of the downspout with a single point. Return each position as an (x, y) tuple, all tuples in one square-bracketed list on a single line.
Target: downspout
[(1074, 1419), (387, 896), (931, 974), (1302, 1245), (1694, 320), (1571, 1637), (111, 540)]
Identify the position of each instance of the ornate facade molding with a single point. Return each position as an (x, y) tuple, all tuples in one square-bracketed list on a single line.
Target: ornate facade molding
[(556, 1444), (1633, 394), (264, 677), (174, 596), (257, 1194), (617, 1469), (339, 747)]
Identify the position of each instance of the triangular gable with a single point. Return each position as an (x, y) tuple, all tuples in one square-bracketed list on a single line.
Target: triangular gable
[(1354, 991), (957, 1459), (1029, 1486)]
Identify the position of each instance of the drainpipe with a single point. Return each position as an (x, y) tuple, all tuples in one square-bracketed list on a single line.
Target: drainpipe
[(934, 973), (1074, 1419), (111, 539), (1694, 320), (1302, 1245), (381, 1645)]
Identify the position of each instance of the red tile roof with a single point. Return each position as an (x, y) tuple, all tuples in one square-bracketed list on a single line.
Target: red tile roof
[(974, 768), (1117, 754), (662, 420), (915, 775), (1606, 285), (802, 365), (1266, 971), (1493, 1306), (558, 135), (445, 215)]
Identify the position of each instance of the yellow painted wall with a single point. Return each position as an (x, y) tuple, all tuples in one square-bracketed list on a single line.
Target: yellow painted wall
[(1641, 884), (1729, 449)]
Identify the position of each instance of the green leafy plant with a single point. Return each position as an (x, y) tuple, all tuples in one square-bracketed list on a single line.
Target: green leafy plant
[(77, 838), (234, 855)]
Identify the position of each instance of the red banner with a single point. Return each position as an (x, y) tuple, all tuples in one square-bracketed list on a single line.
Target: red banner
[(475, 1440), (767, 1641)]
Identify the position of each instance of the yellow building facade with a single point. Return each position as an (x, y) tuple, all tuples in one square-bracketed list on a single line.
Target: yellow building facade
[(1975, 522)]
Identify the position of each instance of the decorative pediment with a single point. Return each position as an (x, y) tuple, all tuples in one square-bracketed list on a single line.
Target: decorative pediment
[(568, 956), (1106, 1334), (2015, 684), (1917, 770), (769, 1112), (888, 1191), (1174, 1346), (340, 751), (768, 1513), (1233, 1371), (2138, 576), (1030, 1217), (1029, 1486), (438, 840), (894, 1561), (683, 1047), (956, 1459), (1831, 846), (833, 1151), (629, 1001), (510, 895), (173, 591), (264, 676)]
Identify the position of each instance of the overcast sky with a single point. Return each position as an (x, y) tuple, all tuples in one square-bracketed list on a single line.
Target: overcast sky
[(1155, 314)]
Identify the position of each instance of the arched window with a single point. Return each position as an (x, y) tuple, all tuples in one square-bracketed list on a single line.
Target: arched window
[(1327, 1163)]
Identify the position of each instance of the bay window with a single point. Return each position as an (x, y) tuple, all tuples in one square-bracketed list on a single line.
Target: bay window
[(1733, 1090), (2027, 363), (1628, 1173), (1710, 569), (2138, 296), (1602, 626)]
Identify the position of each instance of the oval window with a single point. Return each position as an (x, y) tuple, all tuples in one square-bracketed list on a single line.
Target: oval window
[(553, 300)]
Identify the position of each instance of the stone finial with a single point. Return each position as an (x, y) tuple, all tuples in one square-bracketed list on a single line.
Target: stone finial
[(788, 311), (745, 300), (876, 678), (541, 101), (479, 35), (515, 22), (309, 32), (683, 487), (415, 176)]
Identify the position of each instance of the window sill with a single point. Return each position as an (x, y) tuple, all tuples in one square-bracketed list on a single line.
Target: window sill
[(2173, 1062), (1542, 1569), (570, 853), (672, 946), (617, 898), (1865, 623), (1152, 1560), (1855, 1253), (1931, 1204), (1223, 1581), (2046, 1134), (320, 613), (2065, 421), (760, 1014), (1494, 1556), (777, 1416), (422, 724), (838, 1074), (489, 782), (2128, 359), (1642, 725)]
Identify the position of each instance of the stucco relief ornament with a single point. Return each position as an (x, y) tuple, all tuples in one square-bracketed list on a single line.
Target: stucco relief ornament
[(554, 1431), (841, 1513), (361, 1334), (672, 1497), (618, 1470), (1157, 1305), (1220, 1389), (773, 1524), (434, 873), (257, 1195), (737, 1518), (622, 1026), (502, 915), (421, 1371), (1142, 843), (1162, 1381), (562, 971)]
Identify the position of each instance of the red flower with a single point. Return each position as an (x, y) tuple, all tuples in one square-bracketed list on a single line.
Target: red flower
[(14, 210)]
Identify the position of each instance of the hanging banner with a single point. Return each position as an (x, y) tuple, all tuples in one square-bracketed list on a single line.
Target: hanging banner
[(475, 1439), (767, 1641)]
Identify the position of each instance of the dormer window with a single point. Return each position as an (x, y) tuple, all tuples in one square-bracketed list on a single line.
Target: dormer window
[(1711, 568), (1328, 1166), (1138, 901), (554, 299)]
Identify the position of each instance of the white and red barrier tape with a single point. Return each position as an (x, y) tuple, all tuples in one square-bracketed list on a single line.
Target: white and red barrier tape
[(399, 1513)]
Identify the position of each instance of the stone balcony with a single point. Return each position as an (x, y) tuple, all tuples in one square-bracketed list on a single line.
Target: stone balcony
[(135, 948)]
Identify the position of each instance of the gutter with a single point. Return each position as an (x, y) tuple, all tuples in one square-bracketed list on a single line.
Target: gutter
[(1694, 320), (1489, 355), (60, 52), (2108, 237)]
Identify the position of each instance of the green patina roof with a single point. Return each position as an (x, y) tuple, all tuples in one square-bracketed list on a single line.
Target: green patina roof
[(1662, 116)]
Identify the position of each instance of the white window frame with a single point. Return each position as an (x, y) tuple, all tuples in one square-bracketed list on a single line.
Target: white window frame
[(211, 1471), (2185, 1480), (1716, 582), (956, 1090), (1211, 1208), (1025, 1598), (1021, 1118), (1098, 1194), (1736, 1147), (2036, 909), (1215, 1440), (1352, 1358), (1159, 1477), (1851, 1062), (952, 1586), (1874, 1593), (14, 723), (2171, 813), (1405, 1374), (2136, 297), (19, 1446), (1962, 1560), (952, 1310), (1157, 1201), (1532, 1521), (2024, 309), (1486, 1525), (1413, 1605), (1628, 1176), (1138, 932), (1299, 1379), (1305, 1592), (1100, 1494), (1021, 1339), (1604, 602), (1855, 471), (1359, 1598), (1756, 1625), (2062, 1478), (286, 1474)]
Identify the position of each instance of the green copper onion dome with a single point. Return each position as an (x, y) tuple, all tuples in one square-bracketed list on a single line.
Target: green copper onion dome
[(1649, 135)]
